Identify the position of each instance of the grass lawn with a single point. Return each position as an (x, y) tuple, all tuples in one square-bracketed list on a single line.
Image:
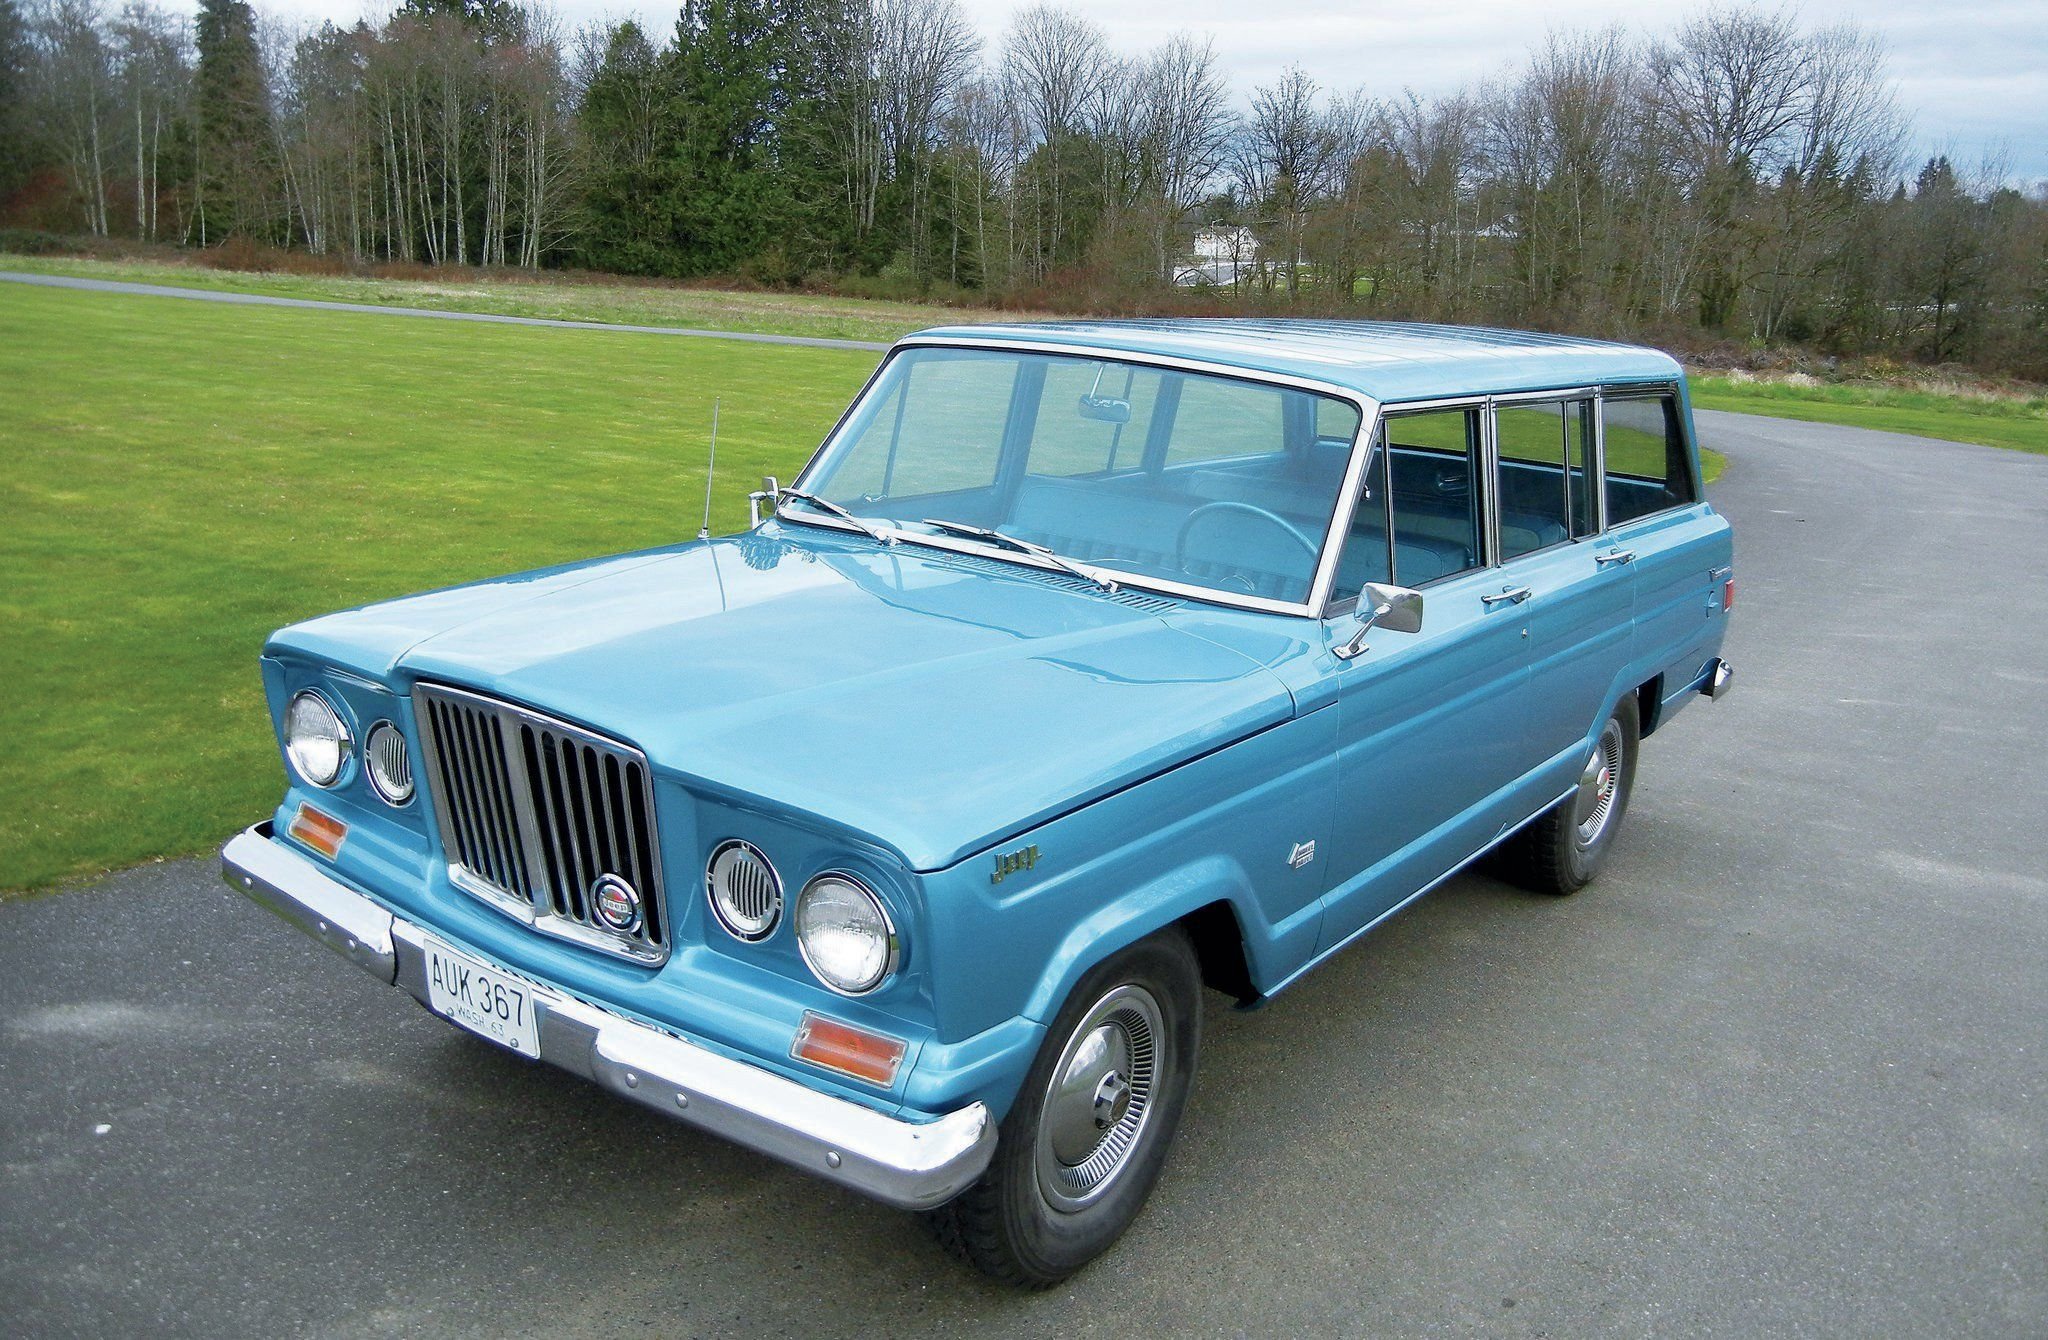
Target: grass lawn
[(557, 299), (2020, 424), (182, 478)]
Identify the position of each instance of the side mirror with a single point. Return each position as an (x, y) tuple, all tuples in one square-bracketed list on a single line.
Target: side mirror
[(1392, 607), (770, 492)]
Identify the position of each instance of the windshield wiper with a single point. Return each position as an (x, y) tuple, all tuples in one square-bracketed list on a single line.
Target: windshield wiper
[(1060, 561), (860, 524)]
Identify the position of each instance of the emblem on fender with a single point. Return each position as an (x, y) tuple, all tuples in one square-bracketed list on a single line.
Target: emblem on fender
[(616, 903), (1303, 853), (1009, 863)]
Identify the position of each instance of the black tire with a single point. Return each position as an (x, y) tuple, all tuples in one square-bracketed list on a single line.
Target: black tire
[(1554, 854), (1007, 1225)]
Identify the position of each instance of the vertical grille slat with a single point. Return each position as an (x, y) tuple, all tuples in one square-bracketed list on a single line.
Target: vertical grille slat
[(533, 812), (529, 754)]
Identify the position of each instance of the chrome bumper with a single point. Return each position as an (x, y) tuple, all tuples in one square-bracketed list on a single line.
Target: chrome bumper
[(912, 1165)]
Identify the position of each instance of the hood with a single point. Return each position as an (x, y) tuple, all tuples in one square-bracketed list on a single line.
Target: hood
[(931, 702)]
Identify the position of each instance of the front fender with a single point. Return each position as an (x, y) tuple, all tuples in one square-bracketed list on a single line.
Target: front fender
[(1010, 938)]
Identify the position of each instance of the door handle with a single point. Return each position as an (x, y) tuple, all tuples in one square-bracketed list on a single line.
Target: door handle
[(1512, 597), (1615, 556)]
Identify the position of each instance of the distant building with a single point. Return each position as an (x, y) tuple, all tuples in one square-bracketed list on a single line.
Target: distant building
[(1220, 257)]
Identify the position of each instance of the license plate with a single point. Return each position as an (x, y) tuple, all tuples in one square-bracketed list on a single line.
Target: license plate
[(482, 999)]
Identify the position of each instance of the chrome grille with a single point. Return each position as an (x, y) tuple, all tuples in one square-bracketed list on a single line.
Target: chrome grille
[(534, 811)]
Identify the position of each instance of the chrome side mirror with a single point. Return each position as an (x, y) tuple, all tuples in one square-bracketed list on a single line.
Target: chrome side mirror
[(1392, 607), (770, 491)]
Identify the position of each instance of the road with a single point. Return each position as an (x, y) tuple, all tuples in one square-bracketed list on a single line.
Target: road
[(1782, 1071), (378, 309)]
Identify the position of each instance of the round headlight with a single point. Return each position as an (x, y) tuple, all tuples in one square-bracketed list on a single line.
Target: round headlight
[(389, 767), (844, 934), (745, 891), (315, 739)]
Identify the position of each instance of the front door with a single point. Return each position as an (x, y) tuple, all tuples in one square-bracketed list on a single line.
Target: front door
[(1429, 722)]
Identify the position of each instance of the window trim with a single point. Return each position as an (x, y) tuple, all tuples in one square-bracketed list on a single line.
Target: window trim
[(1489, 405)]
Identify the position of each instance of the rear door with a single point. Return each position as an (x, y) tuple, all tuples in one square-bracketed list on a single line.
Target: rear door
[(1578, 610)]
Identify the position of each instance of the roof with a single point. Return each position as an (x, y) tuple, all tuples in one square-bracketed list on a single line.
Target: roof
[(1385, 360)]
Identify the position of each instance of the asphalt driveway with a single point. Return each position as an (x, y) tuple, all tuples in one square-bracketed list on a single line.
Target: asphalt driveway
[(1783, 1071)]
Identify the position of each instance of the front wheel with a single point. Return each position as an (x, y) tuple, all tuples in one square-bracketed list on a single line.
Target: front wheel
[(1088, 1135), (1564, 847)]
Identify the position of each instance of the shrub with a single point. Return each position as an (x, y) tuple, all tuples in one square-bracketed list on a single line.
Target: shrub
[(36, 242)]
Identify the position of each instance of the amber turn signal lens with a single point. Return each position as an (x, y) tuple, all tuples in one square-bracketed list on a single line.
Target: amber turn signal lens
[(322, 832), (848, 1050)]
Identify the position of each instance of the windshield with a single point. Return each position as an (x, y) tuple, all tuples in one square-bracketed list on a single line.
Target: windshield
[(1127, 469)]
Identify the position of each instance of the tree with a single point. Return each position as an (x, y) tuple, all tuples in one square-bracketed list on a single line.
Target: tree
[(18, 153), (1053, 64), (149, 48), (1186, 128), (232, 109), (1291, 155)]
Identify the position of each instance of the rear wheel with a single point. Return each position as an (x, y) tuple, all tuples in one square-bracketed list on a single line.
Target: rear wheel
[(1563, 849), (1088, 1135)]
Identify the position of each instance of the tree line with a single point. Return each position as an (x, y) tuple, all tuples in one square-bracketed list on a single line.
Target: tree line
[(1743, 176)]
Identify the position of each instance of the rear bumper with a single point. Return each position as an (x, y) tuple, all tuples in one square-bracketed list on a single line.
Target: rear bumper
[(911, 1165)]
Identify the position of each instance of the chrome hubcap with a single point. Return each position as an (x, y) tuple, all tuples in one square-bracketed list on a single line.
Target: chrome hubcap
[(1599, 782), (1099, 1100)]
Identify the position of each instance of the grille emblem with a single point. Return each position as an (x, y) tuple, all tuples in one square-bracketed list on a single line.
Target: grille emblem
[(616, 903)]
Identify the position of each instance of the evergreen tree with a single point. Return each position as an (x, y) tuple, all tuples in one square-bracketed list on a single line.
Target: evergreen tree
[(725, 200), (235, 195), (627, 130), (16, 152)]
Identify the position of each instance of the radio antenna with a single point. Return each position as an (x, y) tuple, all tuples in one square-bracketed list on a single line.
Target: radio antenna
[(710, 471)]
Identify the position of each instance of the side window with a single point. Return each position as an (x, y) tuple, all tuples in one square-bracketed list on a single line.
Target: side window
[(1092, 417), (1419, 522), (939, 429), (1535, 511), (1546, 485), (1647, 470)]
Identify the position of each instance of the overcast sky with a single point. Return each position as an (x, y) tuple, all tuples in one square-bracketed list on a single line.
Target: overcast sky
[(1973, 76)]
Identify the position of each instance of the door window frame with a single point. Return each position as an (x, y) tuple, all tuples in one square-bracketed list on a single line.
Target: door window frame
[(1487, 471)]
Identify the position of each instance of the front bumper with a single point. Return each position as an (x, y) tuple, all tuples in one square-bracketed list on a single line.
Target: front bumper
[(911, 1165)]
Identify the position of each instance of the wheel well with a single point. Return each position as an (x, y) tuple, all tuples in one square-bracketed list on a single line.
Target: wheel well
[(1219, 948), (1649, 704)]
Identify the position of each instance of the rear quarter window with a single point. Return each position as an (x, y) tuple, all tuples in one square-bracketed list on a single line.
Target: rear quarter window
[(1648, 469)]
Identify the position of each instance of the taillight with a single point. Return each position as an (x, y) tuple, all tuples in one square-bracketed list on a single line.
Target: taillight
[(1728, 595)]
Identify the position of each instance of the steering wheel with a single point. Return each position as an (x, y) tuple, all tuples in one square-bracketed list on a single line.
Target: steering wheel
[(1281, 523)]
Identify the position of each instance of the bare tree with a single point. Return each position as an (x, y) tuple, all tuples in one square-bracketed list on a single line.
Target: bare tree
[(74, 97), (1290, 156), (1053, 65), (1186, 129)]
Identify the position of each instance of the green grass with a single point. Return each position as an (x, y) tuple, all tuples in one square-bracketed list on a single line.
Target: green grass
[(620, 302), (2017, 423), (181, 478)]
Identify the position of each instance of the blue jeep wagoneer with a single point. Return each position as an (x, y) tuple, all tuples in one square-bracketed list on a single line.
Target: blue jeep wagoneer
[(1085, 665)]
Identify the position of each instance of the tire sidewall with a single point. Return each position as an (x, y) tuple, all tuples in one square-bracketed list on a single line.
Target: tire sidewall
[(1052, 1243)]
